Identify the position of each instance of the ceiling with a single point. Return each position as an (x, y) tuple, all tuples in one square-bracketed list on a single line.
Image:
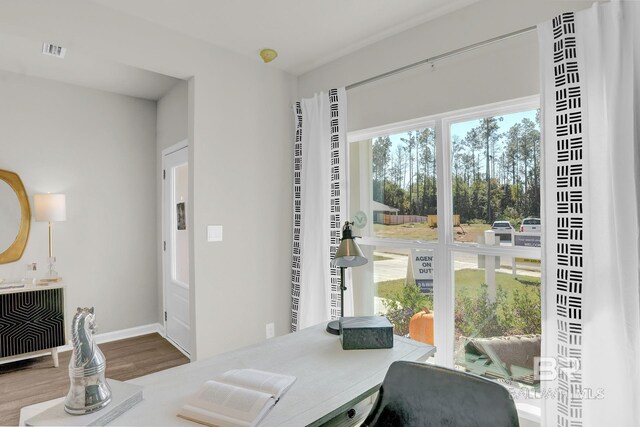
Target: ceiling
[(23, 55), (306, 34)]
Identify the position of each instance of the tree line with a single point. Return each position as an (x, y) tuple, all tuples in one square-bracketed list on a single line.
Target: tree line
[(495, 175)]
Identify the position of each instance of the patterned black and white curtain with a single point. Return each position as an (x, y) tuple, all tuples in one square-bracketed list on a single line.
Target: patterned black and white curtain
[(319, 207), (591, 323)]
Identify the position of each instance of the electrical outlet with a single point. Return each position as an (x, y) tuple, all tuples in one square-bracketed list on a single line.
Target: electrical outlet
[(271, 332)]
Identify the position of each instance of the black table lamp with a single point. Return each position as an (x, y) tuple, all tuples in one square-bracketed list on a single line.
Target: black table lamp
[(347, 255)]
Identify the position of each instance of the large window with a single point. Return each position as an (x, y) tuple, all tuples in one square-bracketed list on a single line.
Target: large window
[(454, 261)]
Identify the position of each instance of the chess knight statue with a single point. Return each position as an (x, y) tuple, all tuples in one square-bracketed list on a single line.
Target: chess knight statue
[(89, 391)]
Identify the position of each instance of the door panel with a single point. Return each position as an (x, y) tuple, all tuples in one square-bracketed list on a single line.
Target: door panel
[(176, 255)]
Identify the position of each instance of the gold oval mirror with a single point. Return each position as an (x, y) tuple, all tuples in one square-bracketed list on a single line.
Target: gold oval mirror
[(15, 217)]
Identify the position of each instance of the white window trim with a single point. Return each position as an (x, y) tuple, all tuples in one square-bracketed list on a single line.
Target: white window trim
[(445, 247)]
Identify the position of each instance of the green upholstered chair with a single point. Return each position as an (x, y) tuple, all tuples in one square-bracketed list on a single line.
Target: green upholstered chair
[(418, 394)]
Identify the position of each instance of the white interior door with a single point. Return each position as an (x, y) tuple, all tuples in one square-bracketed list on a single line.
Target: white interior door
[(176, 247)]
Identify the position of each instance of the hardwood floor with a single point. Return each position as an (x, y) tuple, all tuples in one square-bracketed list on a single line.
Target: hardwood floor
[(35, 380)]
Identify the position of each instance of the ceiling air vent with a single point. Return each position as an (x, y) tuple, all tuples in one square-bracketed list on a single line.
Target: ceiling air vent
[(53, 50)]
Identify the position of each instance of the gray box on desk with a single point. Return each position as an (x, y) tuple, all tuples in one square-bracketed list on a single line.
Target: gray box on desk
[(366, 332)]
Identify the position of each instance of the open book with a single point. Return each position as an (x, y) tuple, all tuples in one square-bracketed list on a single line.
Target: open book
[(240, 397)]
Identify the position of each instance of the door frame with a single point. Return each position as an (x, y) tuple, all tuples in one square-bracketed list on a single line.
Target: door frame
[(163, 238)]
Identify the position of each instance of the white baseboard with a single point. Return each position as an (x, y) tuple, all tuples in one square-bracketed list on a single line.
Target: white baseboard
[(122, 334)]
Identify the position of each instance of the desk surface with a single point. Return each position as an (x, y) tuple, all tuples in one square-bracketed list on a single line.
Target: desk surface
[(328, 378)]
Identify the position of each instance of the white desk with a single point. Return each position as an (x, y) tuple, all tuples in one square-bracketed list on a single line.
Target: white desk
[(329, 379)]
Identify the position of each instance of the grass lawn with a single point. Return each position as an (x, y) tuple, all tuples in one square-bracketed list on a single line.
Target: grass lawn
[(422, 231), (468, 281)]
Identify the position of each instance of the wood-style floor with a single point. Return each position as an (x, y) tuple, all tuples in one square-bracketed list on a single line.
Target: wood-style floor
[(35, 380)]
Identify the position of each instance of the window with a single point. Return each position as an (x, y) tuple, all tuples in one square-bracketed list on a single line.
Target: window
[(465, 248)]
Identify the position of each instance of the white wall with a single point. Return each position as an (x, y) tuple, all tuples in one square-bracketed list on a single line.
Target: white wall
[(99, 149), (502, 71)]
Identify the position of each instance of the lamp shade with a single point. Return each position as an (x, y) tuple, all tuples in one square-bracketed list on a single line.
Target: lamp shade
[(50, 207), (348, 253)]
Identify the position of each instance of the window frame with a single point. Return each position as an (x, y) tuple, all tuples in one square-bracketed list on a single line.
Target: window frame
[(445, 247)]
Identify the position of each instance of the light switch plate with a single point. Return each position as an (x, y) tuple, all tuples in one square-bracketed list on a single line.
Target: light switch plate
[(214, 233)]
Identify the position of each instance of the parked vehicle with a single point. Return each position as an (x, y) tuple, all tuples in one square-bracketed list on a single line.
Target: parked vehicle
[(531, 225), (504, 229)]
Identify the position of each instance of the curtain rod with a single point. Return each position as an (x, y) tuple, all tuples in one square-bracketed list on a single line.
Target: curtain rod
[(439, 57)]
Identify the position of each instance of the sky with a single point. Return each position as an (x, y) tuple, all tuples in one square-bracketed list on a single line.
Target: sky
[(461, 128), (508, 120)]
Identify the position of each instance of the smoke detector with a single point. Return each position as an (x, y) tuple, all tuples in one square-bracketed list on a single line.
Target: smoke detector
[(53, 50)]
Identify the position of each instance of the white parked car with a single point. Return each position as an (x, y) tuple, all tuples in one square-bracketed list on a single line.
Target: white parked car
[(504, 229), (531, 225)]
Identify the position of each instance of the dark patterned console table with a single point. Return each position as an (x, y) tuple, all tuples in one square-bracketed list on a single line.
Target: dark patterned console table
[(31, 322)]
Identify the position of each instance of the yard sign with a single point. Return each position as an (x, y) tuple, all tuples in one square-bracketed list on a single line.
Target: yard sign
[(422, 269)]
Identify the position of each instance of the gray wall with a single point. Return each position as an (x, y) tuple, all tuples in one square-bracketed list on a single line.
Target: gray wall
[(172, 126), (241, 148), (242, 166), (99, 149)]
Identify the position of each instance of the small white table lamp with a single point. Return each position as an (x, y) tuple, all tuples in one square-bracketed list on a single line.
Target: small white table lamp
[(50, 208)]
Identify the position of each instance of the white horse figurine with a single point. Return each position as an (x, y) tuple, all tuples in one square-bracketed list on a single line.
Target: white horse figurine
[(89, 391)]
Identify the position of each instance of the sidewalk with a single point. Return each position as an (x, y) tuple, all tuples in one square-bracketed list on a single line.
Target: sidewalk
[(396, 267)]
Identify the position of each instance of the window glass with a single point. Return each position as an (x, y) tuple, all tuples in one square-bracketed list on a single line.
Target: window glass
[(497, 317), (404, 185), (404, 290), (495, 167), (494, 195)]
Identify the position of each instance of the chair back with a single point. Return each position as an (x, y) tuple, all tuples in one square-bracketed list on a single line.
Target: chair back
[(422, 395)]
